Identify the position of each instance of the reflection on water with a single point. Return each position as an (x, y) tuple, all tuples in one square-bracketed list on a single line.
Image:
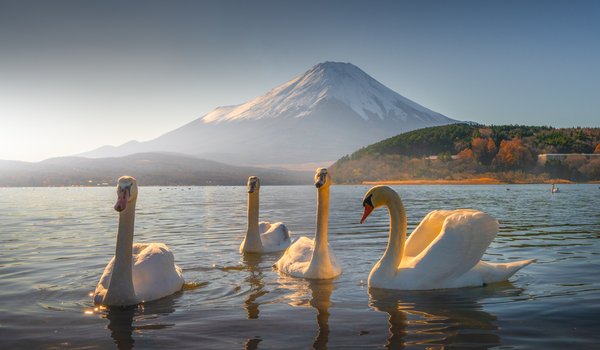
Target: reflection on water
[(121, 325), (122, 319), (252, 344), (452, 317), (255, 279), (321, 300), (316, 294)]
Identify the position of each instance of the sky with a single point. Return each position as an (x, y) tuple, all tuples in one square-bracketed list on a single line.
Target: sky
[(77, 75)]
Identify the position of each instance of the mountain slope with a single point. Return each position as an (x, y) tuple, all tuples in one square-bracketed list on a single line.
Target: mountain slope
[(343, 82), (151, 169), (318, 116)]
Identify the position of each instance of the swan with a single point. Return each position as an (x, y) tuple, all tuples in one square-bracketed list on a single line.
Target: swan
[(554, 189), (444, 251), (313, 259), (262, 237), (138, 272)]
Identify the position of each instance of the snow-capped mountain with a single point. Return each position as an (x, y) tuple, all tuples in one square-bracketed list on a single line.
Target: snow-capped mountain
[(319, 116)]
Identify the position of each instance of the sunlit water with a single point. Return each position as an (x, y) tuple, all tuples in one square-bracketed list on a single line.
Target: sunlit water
[(55, 243)]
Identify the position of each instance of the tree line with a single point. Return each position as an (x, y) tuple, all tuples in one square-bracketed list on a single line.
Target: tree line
[(506, 152)]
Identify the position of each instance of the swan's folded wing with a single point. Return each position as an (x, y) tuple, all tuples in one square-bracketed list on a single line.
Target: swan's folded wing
[(264, 226), (276, 238), (296, 259), (155, 273), (104, 282), (427, 230), (463, 239)]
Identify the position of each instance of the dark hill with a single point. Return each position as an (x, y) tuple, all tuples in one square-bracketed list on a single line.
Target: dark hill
[(151, 169)]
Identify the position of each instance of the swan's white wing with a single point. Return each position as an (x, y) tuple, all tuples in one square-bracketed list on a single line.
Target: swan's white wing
[(464, 237), (427, 230), (496, 272), (296, 259), (104, 282), (155, 274), (275, 237), (263, 226)]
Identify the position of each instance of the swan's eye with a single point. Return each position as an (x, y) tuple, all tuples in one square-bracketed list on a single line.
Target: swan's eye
[(368, 201)]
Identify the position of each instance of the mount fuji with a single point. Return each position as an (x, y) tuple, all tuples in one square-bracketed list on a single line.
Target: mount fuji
[(317, 117)]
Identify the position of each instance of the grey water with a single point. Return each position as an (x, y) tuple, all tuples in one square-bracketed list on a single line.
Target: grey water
[(55, 243)]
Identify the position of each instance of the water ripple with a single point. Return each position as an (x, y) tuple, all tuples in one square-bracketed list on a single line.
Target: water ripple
[(56, 242)]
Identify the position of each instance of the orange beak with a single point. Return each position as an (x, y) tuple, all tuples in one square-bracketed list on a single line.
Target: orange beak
[(366, 213)]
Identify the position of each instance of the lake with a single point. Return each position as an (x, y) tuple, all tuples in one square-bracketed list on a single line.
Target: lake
[(56, 242)]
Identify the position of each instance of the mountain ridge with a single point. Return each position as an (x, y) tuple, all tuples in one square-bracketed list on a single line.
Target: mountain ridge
[(323, 81), (151, 169), (318, 116)]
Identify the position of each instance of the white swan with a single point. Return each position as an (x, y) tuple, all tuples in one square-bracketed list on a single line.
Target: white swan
[(138, 272), (262, 237), (308, 258), (444, 251)]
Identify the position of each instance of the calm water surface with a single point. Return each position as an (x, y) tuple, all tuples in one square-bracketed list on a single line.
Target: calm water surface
[(55, 243)]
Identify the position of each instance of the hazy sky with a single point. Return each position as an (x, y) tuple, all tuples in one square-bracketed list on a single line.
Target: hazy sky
[(76, 75)]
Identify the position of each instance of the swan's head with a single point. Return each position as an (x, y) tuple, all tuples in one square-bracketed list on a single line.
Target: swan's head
[(253, 184), (376, 197), (322, 178), (126, 192)]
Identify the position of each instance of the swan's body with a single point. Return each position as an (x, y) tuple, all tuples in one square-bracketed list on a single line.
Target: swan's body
[(138, 272), (444, 251), (554, 189), (262, 237), (272, 237), (154, 273), (308, 258)]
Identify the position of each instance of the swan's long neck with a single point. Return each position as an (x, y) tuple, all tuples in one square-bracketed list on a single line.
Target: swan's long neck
[(321, 239), (395, 249), (120, 290), (320, 258), (253, 241)]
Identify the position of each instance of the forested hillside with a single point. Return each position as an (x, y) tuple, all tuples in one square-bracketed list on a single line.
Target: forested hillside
[(459, 151)]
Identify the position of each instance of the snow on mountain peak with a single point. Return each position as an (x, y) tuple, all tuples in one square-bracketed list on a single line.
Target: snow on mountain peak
[(328, 111), (343, 82)]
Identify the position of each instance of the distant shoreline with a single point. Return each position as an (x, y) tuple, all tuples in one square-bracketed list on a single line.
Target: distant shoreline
[(477, 181)]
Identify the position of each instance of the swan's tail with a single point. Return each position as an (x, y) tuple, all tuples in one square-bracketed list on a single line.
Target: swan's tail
[(496, 272)]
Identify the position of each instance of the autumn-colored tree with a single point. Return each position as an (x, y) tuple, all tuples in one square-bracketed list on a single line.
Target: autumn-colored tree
[(478, 146), (513, 154), (491, 148), (597, 150), (484, 150), (466, 153)]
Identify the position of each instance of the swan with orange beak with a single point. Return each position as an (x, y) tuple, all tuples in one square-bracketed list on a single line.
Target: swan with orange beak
[(444, 251)]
